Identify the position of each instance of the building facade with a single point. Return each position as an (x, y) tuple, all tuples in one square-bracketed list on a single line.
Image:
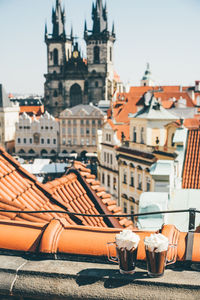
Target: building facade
[(37, 136), (71, 79), (78, 129), (9, 116)]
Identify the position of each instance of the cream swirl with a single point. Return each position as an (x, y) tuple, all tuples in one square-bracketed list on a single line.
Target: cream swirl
[(156, 242), (127, 239)]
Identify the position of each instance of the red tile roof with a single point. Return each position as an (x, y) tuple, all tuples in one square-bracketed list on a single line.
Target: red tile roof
[(191, 171), (83, 194), (76, 192), (32, 110)]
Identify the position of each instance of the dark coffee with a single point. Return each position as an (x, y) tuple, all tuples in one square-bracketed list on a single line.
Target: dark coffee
[(156, 262), (127, 259)]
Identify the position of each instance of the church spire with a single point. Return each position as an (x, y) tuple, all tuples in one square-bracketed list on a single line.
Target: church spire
[(58, 20), (99, 16)]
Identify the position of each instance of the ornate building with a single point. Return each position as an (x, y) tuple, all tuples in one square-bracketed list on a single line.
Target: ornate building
[(71, 79)]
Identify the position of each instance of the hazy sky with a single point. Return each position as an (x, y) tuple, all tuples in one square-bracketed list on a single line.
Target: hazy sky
[(164, 33)]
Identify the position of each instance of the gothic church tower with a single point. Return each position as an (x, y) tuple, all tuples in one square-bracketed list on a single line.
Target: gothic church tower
[(71, 79), (100, 55)]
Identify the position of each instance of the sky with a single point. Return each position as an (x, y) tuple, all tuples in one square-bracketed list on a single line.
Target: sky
[(163, 33)]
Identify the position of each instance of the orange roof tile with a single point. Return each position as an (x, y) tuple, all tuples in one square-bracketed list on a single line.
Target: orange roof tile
[(36, 110), (83, 194), (75, 192), (191, 171)]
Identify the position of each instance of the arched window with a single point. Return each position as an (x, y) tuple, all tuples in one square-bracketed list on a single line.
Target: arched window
[(125, 208), (96, 55), (44, 152), (108, 180), (142, 135), (103, 178), (132, 179), (86, 87), (55, 56), (60, 87), (134, 135), (55, 94), (75, 95), (125, 177)]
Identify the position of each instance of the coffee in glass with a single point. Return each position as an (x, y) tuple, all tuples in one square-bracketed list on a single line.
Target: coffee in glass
[(126, 243), (156, 247)]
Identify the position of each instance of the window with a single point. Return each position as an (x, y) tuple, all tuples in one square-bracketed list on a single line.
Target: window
[(114, 183), (42, 141), (108, 160), (132, 179), (132, 213), (69, 130), (55, 94), (148, 183), (172, 140), (125, 208), (74, 141), (93, 142), (18, 140), (69, 142), (60, 87), (42, 127), (25, 141), (31, 140), (103, 178), (82, 122), (87, 142), (69, 122), (74, 130), (48, 141), (110, 53), (93, 131), (63, 141), (74, 122), (63, 122), (96, 84), (96, 55), (87, 122), (108, 180), (139, 182), (142, 135), (134, 135), (55, 56), (82, 141), (82, 131), (87, 131), (63, 130), (99, 123), (125, 177), (93, 122), (111, 159), (46, 127), (104, 156), (54, 141)]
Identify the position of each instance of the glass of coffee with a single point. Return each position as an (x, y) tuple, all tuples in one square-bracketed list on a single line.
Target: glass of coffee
[(126, 244), (156, 247)]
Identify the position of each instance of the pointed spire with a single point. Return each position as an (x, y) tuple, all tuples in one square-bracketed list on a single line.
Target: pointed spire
[(85, 26), (72, 33), (113, 29), (45, 31), (58, 20)]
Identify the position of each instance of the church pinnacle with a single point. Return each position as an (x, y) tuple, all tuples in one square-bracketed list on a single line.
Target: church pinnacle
[(58, 20)]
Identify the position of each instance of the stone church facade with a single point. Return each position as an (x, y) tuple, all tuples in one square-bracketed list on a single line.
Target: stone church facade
[(72, 79)]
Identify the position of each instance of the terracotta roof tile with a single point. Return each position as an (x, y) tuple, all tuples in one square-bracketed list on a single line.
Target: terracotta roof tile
[(191, 171), (78, 191)]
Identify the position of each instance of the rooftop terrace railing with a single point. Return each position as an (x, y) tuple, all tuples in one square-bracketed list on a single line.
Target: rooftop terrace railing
[(191, 224)]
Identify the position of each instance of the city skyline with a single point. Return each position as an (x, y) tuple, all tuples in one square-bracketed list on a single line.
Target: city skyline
[(163, 34)]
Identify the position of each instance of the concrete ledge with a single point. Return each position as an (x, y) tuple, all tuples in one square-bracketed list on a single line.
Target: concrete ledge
[(56, 279)]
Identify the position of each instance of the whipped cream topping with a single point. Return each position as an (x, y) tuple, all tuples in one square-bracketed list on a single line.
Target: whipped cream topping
[(127, 239), (156, 242)]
